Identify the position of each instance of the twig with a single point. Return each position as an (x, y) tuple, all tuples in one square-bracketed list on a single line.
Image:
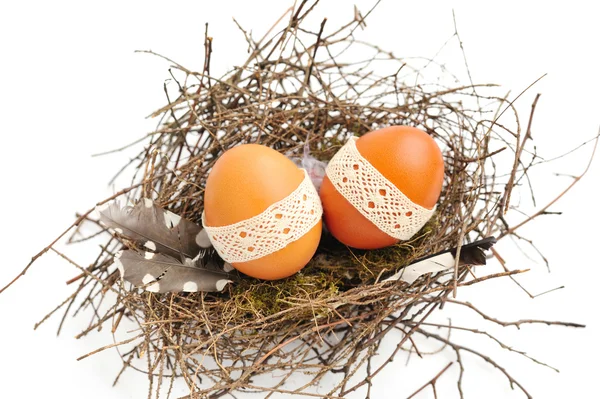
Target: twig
[(518, 154), (432, 382), (566, 190), (517, 323)]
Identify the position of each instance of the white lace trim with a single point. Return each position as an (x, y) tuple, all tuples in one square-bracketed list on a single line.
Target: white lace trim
[(374, 196), (279, 225)]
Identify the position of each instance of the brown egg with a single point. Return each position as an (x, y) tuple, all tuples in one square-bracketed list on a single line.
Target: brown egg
[(245, 182), (409, 159)]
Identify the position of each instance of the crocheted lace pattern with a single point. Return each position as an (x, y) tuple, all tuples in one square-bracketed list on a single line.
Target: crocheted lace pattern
[(280, 224), (374, 196)]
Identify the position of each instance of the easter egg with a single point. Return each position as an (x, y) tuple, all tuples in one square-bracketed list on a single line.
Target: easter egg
[(382, 187), (261, 212)]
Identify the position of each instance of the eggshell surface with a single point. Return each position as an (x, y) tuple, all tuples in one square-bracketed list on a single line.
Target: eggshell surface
[(406, 156), (243, 183)]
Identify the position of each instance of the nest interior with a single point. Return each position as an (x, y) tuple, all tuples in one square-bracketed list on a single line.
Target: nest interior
[(301, 86)]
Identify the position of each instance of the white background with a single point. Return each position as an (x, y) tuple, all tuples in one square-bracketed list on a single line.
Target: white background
[(71, 86)]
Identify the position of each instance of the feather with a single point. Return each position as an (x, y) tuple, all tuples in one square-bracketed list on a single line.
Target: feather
[(154, 228), (208, 258), (161, 273), (470, 254), (473, 254), (314, 167)]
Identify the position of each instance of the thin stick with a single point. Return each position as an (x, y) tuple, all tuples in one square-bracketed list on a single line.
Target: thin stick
[(431, 382), (566, 190)]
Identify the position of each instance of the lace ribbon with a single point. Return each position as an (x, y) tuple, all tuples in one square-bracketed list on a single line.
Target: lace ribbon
[(280, 224), (374, 196)]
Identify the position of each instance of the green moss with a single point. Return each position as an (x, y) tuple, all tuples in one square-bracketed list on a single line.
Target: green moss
[(264, 298), (334, 268)]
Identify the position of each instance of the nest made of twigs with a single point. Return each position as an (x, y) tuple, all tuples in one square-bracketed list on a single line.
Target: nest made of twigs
[(328, 319)]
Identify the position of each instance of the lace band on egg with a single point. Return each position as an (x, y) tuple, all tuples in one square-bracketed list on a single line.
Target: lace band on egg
[(280, 224), (374, 196)]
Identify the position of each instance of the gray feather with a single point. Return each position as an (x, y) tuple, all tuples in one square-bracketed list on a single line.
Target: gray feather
[(161, 273), (153, 227)]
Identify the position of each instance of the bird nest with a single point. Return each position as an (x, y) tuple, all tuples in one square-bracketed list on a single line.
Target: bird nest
[(326, 323)]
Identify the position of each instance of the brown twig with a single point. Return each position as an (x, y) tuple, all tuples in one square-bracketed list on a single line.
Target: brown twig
[(545, 208), (431, 382)]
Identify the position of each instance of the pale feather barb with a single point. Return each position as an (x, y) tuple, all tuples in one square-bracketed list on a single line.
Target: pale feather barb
[(314, 167), (470, 254), (160, 273)]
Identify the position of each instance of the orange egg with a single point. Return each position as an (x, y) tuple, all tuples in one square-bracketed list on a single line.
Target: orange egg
[(249, 184), (410, 160)]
